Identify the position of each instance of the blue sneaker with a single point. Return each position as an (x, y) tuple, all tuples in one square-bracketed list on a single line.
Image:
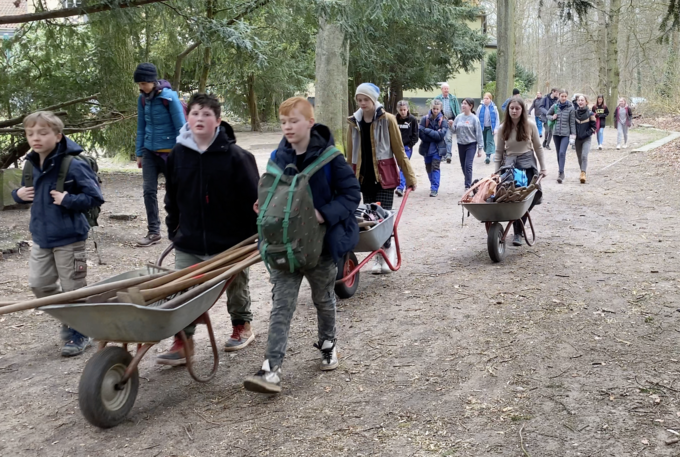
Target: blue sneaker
[(76, 345)]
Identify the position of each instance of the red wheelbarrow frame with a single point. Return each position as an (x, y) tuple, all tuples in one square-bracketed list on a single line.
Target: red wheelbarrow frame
[(348, 279)]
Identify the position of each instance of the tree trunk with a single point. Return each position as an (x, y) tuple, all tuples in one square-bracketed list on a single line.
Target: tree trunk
[(207, 51), (330, 98), (252, 105), (177, 77), (396, 93), (505, 64), (613, 54), (602, 48)]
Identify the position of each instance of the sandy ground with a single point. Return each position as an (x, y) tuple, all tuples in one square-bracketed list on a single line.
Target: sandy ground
[(564, 349)]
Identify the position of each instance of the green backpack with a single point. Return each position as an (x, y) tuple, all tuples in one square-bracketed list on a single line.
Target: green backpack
[(290, 236), (91, 214), (551, 122)]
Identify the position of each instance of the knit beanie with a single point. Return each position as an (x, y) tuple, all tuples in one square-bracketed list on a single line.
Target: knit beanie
[(146, 73), (370, 90)]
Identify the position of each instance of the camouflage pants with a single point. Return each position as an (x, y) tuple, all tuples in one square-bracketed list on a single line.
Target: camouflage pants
[(238, 292), (285, 292)]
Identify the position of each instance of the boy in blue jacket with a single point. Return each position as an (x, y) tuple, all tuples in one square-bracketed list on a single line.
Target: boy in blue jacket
[(160, 116), (58, 262), (336, 194)]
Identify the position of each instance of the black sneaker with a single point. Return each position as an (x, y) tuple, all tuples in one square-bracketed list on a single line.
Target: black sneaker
[(265, 381), (76, 345), (329, 355), (560, 178), (448, 160), (433, 193), (149, 240)]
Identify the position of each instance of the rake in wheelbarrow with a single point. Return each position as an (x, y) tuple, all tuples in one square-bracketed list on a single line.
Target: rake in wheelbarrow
[(372, 241)]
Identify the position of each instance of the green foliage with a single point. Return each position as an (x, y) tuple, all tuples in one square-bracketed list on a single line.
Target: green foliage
[(524, 78)]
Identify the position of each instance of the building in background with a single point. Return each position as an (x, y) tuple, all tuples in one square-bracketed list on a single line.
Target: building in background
[(11, 8)]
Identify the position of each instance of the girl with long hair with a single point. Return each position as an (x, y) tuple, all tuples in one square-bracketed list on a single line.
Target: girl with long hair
[(562, 114), (469, 137), (518, 145), (585, 127), (623, 119), (432, 132), (601, 112)]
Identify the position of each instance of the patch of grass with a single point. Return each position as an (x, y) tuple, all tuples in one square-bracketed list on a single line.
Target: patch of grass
[(451, 451), (519, 418), (649, 320)]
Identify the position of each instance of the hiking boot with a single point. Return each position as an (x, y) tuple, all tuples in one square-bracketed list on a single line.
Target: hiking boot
[(399, 192), (392, 256), (265, 381), (517, 240), (329, 355), (487, 161), (583, 177), (241, 336), (149, 240), (76, 345), (176, 355), (560, 178), (618, 146), (377, 265), (433, 193)]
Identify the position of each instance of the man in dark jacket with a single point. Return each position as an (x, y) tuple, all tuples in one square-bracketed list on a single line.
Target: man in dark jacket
[(536, 108), (210, 191), (408, 127), (58, 261), (336, 194), (548, 101)]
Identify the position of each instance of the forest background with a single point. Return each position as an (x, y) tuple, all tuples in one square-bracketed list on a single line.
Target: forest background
[(254, 54)]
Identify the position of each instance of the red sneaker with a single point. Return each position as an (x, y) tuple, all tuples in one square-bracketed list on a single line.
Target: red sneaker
[(241, 337), (176, 355)]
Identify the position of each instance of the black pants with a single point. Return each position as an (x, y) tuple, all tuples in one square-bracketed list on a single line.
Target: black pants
[(517, 227)]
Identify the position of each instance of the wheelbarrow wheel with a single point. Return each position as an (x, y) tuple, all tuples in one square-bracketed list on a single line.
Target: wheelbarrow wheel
[(103, 400), (495, 243), (348, 288)]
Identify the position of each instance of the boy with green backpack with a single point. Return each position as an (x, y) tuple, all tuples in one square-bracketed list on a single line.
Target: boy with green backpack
[(306, 224)]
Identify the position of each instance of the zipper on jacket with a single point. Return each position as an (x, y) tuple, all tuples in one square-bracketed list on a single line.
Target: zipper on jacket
[(200, 181)]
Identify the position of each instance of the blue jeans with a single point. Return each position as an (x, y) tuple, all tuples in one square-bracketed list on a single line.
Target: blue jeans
[(432, 166), (539, 124), (600, 136), (466, 154), (448, 139), (152, 166), (561, 146), (402, 182)]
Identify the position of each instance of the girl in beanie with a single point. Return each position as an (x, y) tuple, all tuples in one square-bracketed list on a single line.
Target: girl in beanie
[(373, 144), (160, 116)]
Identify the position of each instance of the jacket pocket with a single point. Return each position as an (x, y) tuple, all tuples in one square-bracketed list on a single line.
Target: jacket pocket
[(389, 173)]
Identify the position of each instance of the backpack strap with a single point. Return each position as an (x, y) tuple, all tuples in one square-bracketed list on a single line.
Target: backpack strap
[(324, 159), (28, 173), (63, 171)]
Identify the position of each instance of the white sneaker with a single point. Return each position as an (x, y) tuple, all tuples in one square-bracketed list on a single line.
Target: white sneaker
[(599, 146), (618, 146), (329, 355), (265, 381), (392, 257), (625, 146), (377, 265)]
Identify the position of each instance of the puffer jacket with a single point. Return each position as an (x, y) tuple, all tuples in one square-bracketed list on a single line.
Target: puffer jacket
[(432, 131), (159, 121), (335, 191), (387, 147), (565, 124), (53, 225), (494, 115)]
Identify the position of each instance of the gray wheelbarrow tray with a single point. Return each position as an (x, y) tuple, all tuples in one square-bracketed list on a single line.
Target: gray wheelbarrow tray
[(499, 212), (130, 323), (375, 237)]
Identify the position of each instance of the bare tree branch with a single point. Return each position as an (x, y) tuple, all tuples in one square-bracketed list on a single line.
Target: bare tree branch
[(70, 12), (20, 119)]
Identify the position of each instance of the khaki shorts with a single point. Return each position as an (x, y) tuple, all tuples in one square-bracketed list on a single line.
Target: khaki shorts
[(56, 270)]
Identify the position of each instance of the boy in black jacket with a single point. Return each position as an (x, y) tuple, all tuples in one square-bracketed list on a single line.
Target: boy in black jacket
[(336, 194), (211, 187), (408, 127)]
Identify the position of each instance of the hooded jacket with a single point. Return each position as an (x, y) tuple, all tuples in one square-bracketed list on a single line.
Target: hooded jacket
[(585, 123), (387, 147), (336, 199), (433, 131), (210, 195), (408, 127), (158, 121), (547, 103), (53, 225)]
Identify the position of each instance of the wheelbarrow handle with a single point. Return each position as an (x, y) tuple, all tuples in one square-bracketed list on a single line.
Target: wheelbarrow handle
[(164, 254)]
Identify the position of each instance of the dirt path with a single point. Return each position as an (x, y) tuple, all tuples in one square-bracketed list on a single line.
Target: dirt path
[(565, 349)]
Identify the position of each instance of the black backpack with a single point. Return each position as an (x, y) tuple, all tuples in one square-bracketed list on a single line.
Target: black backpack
[(91, 214)]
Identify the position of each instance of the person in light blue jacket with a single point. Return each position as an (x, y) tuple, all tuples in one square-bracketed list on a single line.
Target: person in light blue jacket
[(488, 118), (160, 116)]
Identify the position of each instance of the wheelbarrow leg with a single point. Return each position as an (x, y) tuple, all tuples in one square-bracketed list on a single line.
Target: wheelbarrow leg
[(524, 231), (141, 351), (205, 318)]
